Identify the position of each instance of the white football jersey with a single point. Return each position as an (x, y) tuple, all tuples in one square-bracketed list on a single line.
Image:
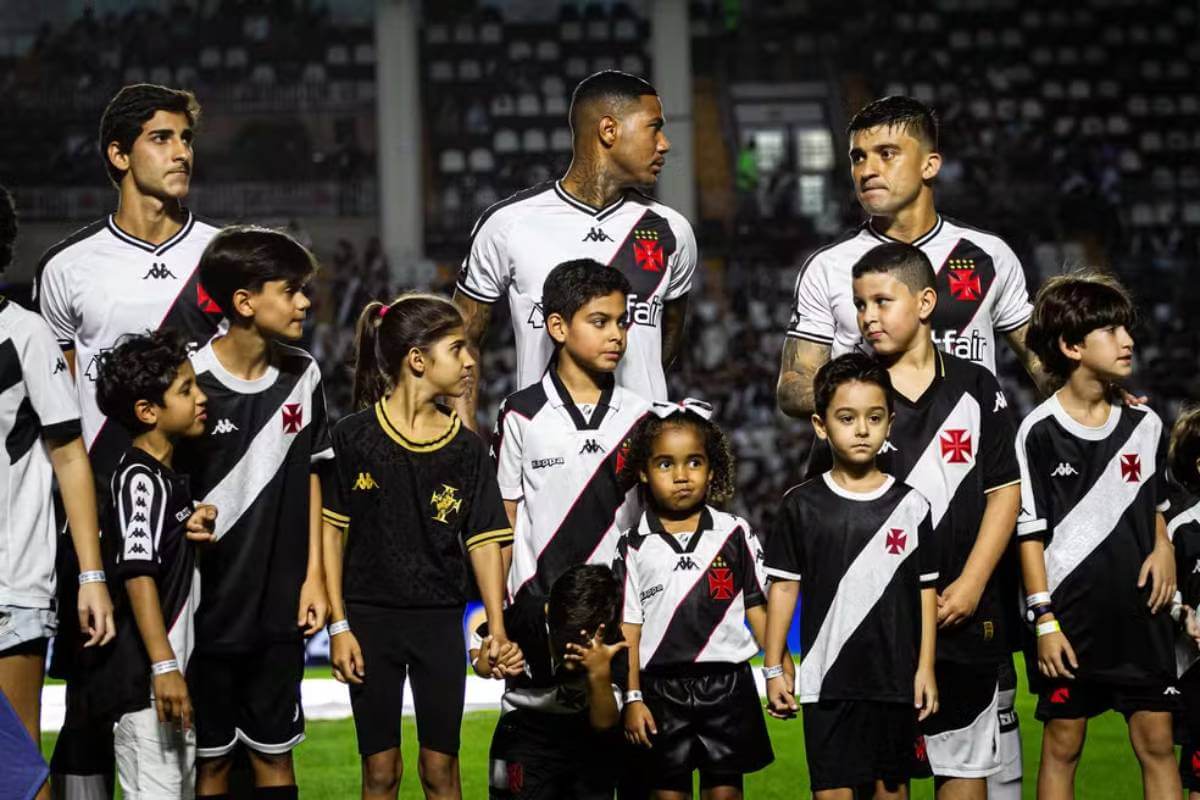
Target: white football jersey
[(519, 240)]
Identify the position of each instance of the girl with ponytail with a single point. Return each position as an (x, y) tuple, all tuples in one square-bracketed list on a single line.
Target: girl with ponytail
[(413, 498)]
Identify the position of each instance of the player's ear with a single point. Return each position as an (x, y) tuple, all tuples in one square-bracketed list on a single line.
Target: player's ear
[(1071, 351), (819, 426), (243, 303), (556, 326), (146, 412), (608, 128), (416, 361), (116, 157), (926, 302), (932, 165)]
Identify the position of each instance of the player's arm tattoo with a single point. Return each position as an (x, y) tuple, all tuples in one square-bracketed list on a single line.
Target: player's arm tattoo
[(1029, 360), (798, 367), (674, 325), (476, 316)]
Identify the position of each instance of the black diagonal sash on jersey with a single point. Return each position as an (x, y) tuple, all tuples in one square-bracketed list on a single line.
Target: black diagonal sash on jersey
[(860, 589), (645, 255), (963, 283), (706, 613), (1086, 526)]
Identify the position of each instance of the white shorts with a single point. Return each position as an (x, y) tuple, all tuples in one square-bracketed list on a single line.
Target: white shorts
[(21, 626), (962, 740), (154, 761)]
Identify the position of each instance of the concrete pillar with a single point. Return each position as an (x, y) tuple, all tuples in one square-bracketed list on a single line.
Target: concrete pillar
[(671, 50)]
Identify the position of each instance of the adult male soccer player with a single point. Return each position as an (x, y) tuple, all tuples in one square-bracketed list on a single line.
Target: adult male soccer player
[(894, 160), (594, 212), (131, 271)]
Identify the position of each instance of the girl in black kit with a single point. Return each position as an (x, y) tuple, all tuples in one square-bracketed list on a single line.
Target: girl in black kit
[(413, 496), (1183, 526), (693, 579)]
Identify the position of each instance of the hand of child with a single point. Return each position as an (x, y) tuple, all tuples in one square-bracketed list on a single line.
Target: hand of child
[(1159, 567), (313, 612), (1055, 654), (925, 693), (781, 699), (95, 609), (639, 724), (789, 671), (510, 661), (171, 699), (958, 602), (201, 523), (596, 655), (346, 658)]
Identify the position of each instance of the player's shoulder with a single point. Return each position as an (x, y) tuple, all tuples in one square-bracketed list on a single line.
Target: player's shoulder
[(504, 213), (525, 402), (19, 323), (63, 253), (989, 241), (964, 375), (136, 463), (1040, 418), (725, 522), (630, 401), (848, 246), (804, 493), (904, 492), (353, 428), (295, 360), (1183, 517), (676, 219)]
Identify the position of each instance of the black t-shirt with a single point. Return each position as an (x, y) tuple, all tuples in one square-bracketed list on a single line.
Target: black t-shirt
[(862, 560), (413, 510)]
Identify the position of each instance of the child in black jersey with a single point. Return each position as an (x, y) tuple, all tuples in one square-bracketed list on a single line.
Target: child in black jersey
[(1183, 526), (856, 545), (147, 385), (692, 580), (417, 493), (1098, 567)]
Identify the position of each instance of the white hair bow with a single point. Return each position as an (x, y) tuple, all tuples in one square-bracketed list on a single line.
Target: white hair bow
[(689, 405)]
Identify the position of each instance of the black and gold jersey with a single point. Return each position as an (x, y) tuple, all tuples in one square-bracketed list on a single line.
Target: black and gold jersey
[(412, 510)]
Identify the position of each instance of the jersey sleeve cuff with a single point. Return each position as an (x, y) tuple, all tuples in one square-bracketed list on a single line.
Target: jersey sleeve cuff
[(513, 493), (1163, 507), (136, 568), (321, 455), (1031, 527), (1012, 326), (63, 431), (335, 519), (1003, 485), (754, 600), (500, 536), (810, 336), (66, 345), (474, 295), (929, 579), (781, 574)]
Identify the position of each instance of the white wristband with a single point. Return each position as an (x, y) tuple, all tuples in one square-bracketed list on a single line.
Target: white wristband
[(341, 626), (92, 576), (772, 672), (163, 667), (1049, 626), (633, 696), (1037, 599)]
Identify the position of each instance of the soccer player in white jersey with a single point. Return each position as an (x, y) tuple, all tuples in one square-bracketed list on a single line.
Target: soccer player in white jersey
[(1098, 565), (595, 211), (39, 424), (133, 270), (894, 161)]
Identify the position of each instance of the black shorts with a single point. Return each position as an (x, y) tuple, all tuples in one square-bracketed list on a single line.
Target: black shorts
[(1083, 699), (254, 697), (1187, 723), (539, 756), (425, 645), (709, 718), (851, 743), (962, 740)]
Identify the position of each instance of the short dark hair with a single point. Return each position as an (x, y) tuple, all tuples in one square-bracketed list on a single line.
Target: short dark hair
[(583, 598), (612, 87), (8, 228), (897, 111), (131, 108), (721, 462), (1069, 307), (573, 284), (248, 256), (140, 367), (1185, 449), (904, 262), (849, 368)]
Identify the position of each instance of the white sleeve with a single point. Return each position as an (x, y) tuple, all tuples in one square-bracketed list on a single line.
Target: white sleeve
[(1032, 518), (48, 380), (683, 262), (510, 453), (54, 302), (812, 306), (1012, 308), (632, 612), (484, 275)]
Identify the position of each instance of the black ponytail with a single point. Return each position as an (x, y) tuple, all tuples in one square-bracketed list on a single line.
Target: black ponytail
[(385, 335)]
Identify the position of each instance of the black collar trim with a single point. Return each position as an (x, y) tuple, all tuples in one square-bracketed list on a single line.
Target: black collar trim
[(655, 525), (157, 249), (599, 213), (924, 238), (608, 383)]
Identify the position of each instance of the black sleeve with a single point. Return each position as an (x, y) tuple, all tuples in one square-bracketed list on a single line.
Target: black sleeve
[(1162, 486), (322, 442), (784, 556), (750, 556), (335, 495), (928, 556), (997, 458), (487, 521), (140, 502)]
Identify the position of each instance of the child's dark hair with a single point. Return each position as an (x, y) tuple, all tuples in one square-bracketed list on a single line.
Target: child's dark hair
[(573, 284), (721, 463), (851, 367), (1069, 307), (905, 263), (8, 228), (140, 367), (387, 332), (910, 115), (1184, 450), (131, 108), (583, 598), (248, 256)]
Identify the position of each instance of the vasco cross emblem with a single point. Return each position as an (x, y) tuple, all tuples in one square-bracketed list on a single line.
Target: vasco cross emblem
[(445, 502)]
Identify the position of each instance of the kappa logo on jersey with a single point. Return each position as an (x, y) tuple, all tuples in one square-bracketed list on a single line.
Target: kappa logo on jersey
[(720, 580), (653, 590), (159, 272), (888, 447), (597, 235), (224, 426), (536, 318), (1063, 470), (648, 250), (542, 463), (1001, 402), (1171, 691), (445, 503), (954, 342), (956, 446), (1196, 569), (364, 482), (590, 447), (60, 365), (205, 301), (896, 541), (964, 283), (293, 417), (685, 563), (1131, 467)]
